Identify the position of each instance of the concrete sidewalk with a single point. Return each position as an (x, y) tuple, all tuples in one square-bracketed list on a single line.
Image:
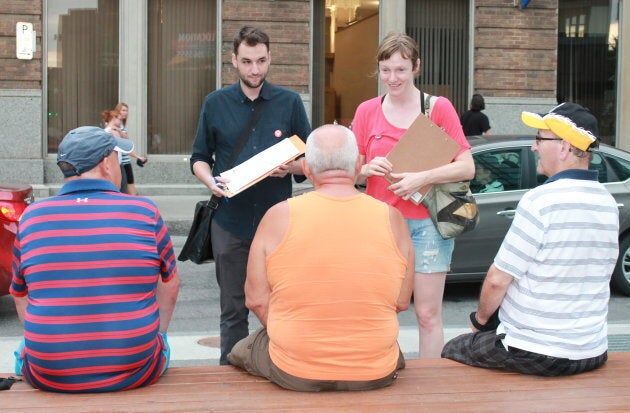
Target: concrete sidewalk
[(177, 210)]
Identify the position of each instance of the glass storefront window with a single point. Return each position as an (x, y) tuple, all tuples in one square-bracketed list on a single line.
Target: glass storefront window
[(82, 64), (441, 28), (587, 59), (182, 71)]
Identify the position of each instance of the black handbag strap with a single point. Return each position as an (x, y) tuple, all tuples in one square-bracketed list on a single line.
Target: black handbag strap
[(258, 108)]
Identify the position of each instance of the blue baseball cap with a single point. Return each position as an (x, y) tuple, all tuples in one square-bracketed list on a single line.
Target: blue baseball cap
[(85, 147)]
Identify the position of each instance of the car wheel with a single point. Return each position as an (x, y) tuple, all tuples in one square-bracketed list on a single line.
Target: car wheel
[(621, 275)]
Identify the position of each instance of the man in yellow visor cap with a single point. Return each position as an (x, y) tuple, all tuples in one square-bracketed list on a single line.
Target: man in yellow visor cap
[(569, 121), (544, 301)]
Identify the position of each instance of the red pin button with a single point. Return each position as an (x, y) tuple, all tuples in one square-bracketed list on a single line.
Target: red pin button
[(277, 133)]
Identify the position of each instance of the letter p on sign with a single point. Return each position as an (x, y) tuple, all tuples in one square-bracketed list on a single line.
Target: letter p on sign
[(25, 40)]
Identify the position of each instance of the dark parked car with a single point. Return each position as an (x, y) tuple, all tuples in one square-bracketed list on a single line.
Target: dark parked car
[(513, 165), (13, 201)]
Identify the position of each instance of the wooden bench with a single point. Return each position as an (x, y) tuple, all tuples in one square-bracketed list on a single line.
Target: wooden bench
[(424, 386)]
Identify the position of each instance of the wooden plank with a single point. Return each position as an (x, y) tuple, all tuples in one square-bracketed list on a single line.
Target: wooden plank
[(8, 22), (425, 385), (21, 7), (20, 70), (363, 401)]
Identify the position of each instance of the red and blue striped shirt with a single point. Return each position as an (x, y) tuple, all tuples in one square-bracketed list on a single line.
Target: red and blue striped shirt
[(89, 260)]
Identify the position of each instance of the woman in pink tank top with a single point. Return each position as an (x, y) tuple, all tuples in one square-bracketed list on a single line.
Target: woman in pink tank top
[(378, 125)]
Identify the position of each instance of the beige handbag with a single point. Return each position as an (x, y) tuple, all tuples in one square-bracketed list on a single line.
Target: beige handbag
[(452, 207)]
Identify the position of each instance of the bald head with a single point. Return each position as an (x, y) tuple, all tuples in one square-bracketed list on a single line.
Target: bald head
[(332, 147)]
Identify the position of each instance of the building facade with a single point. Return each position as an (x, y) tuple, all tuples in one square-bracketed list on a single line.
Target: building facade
[(162, 57)]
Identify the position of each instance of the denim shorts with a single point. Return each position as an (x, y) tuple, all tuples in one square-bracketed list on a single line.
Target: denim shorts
[(19, 358), (433, 253), (166, 352)]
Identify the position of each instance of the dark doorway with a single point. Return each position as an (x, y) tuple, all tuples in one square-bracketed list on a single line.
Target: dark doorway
[(587, 59)]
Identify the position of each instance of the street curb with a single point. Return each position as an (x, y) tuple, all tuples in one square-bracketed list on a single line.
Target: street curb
[(179, 227)]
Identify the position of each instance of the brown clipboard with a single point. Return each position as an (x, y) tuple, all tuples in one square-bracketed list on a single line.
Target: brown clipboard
[(259, 167), (422, 147)]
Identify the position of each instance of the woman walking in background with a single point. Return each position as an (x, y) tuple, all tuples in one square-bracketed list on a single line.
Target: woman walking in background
[(112, 120), (378, 125), (473, 121), (125, 161)]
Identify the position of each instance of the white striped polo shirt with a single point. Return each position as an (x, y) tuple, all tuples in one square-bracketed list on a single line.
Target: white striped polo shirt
[(561, 249)]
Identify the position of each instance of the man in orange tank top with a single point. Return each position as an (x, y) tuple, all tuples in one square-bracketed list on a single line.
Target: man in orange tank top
[(327, 273)]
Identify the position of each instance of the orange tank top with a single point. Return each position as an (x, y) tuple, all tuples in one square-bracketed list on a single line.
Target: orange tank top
[(335, 279)]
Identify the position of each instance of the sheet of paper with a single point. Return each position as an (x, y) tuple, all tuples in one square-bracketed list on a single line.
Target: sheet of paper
[(259, 166)]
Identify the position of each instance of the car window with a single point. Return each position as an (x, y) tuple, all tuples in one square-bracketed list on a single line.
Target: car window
[(597, 164), (620, 167), (496, 171)]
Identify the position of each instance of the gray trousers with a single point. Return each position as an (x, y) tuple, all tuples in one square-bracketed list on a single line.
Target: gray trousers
[(230, 259)]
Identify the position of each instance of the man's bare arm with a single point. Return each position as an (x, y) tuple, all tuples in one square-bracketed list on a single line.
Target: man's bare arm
[(257, 290), (493, 291), (166, 296), (268, 235), (20, 306), (403, 240)]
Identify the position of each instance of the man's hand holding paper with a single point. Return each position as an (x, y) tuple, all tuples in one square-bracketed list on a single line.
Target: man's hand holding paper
[(219, 187), (292, 167), (281, 171), (275, 161)]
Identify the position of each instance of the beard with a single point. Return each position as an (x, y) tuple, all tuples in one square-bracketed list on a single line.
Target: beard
[(252, 85)]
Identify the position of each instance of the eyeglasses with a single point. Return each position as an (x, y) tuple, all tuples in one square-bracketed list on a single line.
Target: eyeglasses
[(540, 138)]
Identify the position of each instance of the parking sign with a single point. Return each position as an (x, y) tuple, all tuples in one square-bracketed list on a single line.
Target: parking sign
[(25, 40)]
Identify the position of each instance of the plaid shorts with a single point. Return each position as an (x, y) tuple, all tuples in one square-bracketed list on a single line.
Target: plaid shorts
[(485, 349)]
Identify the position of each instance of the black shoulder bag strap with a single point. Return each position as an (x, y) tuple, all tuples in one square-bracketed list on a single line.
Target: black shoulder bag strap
[(258, 109)]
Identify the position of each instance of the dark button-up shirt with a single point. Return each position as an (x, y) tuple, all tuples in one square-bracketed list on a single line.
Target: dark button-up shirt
[(224, 114)]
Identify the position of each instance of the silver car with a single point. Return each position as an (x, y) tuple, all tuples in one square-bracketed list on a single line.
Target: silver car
[(506, 169)]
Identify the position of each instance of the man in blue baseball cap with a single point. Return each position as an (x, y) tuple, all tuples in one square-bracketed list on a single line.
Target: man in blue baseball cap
[(85, 147), (94, 277)]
